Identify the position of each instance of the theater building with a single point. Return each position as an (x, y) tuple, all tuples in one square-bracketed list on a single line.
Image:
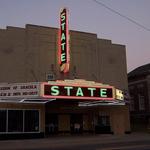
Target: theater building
[(56, 81)]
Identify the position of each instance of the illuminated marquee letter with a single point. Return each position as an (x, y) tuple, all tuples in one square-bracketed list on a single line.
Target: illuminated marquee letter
[(63, 16), (68, 89), (63, 57), (63, 26), (63, 37), (92, 91), (63, 44), (55, 90), (79, 92), (103, 92)]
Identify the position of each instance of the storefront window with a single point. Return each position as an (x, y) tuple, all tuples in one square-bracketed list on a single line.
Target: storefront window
[(19, 121), (141, 102), (131, 103), (15, 120), (31, 121), (3, 114)]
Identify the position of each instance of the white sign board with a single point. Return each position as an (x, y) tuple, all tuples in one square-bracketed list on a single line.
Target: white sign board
[(20, 90)]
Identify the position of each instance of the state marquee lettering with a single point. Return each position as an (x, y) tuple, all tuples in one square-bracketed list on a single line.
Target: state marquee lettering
[(63, 42), (76, 92), (63, 36)]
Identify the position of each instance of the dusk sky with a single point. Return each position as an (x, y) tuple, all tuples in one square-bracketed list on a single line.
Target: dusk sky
[(89, 16)]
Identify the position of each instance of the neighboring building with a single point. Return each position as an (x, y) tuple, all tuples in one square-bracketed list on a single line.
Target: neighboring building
[(30, 54), (139, 89)]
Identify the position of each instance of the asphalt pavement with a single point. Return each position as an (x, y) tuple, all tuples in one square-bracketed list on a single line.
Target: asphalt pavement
[(133, 141)]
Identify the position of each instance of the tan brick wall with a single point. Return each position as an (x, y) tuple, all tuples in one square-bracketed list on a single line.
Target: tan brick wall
[(112, 64), (29, 54), (12, 60), (84, 55), (119, 117)]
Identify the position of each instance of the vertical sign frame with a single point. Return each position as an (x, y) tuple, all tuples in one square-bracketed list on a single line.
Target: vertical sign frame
[(63, 42)]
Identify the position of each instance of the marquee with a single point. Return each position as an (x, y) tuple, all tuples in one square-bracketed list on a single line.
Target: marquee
[(19, 90), (66, 89), (77, 90)]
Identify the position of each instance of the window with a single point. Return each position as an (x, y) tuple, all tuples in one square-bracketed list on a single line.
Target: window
[(31, 121), (131, 87), (141, 85), (3, 114), (141, 102), (132, 103), (15, 120)]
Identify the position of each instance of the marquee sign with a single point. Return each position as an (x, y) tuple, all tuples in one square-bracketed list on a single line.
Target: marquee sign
[(78, 92), (62, 89), (19, 90), (63, 44)]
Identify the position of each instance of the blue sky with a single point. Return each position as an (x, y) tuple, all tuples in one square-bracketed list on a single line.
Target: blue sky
[(88, 16)]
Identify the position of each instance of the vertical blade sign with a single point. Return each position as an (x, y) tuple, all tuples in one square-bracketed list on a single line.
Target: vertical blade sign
[(64, 42)]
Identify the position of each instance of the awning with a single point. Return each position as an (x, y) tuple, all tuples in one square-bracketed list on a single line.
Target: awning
[(100, 103), (27, 100)]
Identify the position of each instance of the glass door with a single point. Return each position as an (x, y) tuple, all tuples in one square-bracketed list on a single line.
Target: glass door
[(103, 124), (51, 124), (76, 123)]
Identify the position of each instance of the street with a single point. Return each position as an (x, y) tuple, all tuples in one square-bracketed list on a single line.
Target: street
[(134, 141)]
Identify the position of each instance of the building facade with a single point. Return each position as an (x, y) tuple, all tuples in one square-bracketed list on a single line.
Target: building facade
[(30, 55), (139, 88)]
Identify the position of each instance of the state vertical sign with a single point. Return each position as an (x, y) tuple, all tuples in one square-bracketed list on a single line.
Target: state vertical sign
[(63, 44)]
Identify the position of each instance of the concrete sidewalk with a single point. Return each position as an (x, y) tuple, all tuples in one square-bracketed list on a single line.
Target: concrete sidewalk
[(61, 142)]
